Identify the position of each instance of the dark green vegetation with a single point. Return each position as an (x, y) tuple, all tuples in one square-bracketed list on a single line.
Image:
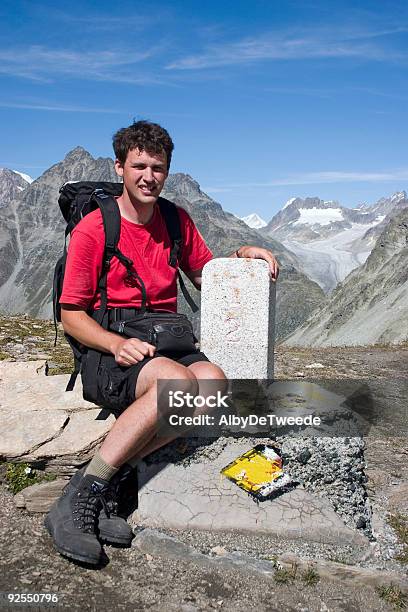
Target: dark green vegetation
[(18, 476), (399, 522), (309, 577), (393, 596), (285, 576)]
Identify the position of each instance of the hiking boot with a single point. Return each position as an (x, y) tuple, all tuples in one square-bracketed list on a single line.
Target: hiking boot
[(121, 500), (72, 519)]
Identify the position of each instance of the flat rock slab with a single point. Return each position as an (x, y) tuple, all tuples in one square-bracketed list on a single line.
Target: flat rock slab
[(24, 385), (398, 497), (346, 574), (156, 543), (41, 422), (39, 497), (197, 496), (15, 371), (23, 432), (77, 442)]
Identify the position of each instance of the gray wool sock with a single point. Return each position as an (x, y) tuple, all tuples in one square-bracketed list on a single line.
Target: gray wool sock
[(99, 468)]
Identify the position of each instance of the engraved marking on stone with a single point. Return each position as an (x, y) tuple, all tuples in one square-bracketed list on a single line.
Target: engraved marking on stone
[(232, 323)]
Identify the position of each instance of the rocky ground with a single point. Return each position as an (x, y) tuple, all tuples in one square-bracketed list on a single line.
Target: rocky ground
[(172, 576), (136, 579)]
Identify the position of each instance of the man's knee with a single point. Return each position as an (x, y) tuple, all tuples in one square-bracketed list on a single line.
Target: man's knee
[(207, 371), (211, 377), (162, 369)]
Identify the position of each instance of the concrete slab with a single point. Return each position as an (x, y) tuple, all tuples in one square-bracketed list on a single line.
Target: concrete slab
[(197, 496)]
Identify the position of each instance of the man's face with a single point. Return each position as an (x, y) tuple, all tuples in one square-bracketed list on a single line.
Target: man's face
[(143, 175)]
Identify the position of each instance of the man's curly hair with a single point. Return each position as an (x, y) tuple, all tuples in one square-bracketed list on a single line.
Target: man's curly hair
[(145, 136)]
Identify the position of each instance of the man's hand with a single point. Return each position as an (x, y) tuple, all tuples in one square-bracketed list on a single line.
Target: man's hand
[(80, 325), (129, 351), (254, 252)]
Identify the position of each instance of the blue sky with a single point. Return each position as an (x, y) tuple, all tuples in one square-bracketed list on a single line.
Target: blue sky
[(265, 100)]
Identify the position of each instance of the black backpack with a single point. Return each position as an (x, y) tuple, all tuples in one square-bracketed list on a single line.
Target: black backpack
[(76, 200)]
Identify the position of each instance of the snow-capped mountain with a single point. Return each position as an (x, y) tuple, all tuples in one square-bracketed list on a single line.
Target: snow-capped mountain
[(11, 184), (371, 305), (26, 177), (314, 219), (331, 240), (254, 221)]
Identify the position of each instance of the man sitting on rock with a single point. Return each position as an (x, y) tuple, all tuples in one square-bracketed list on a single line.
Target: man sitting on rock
[(92, 505)]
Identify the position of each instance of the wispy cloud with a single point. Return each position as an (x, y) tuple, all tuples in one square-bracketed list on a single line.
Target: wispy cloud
[(393, 94), (103, 19), (57, 108), (320, 43), (108, 23), (217, 189), (44, 64), (319, 178), (20, 165), (330, 93), (325, 94)]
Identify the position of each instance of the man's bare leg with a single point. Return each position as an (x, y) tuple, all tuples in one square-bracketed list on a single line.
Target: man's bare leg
[(134, 435), (202, 370), (136, 426)]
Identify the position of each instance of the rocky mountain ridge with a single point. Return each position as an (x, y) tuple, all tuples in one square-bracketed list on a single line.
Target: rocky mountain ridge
[(11, 184), (386, 209), (33, 230)]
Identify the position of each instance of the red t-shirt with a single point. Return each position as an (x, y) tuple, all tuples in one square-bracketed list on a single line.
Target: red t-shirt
[(148, 246)]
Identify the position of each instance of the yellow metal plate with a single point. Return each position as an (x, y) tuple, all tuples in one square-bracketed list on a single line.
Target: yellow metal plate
[(255, 469)]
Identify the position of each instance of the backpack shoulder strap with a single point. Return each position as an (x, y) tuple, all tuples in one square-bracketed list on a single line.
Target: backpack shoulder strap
[(172, 220), (111, 218), (111, 224)]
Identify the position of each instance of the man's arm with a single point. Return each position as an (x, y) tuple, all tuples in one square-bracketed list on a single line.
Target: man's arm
[(78, 324), (254, 252), (195, 277), (245, 251)]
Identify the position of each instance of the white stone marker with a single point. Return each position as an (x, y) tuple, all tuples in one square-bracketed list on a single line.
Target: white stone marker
[(238, 317)]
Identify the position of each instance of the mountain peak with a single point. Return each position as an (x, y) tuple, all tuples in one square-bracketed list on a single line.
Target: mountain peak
[(181, 177), (398, 196), (183, 184), (308, 202), (12, 183), (254, 221), (78, 152), (25, 177), (289, 202)]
